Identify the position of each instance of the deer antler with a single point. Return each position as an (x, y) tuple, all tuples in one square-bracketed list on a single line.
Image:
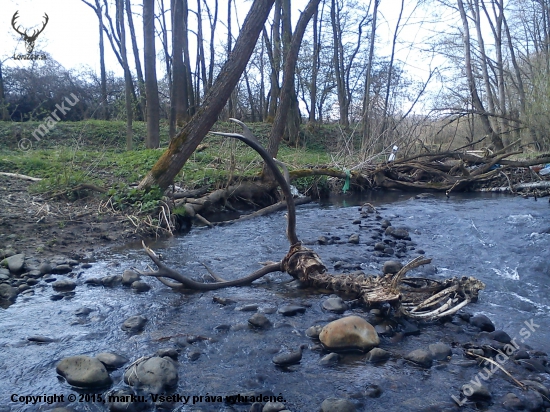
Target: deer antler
[(37, 32), (15, 16)]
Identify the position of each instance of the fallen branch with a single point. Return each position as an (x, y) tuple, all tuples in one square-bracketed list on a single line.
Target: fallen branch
[(19, 176)]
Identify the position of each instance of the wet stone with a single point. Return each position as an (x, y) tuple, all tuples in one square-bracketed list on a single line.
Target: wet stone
[(336, 305), (289, 358), (84, 372), (129, 277), (111, 360), (479, 392), (61, 269), (337, 405), (193, 355), (134, 324), (440, 351), (373, 391), (111, 281), (354, 239), (397, 232), (223, 301), (83, 311), (16, 263), (521, 354), (482, 322), (64, 285), (45, 268), (500, 336), (253, 307), (7, 292), (314, 331), (380, 246), (154, 375), (259, 320), (170, 352), (124, 400), (140, 286), (291, 310), (330, 359), (512, 403), (273, 407), (40, 339), (420, 357), (377, 355), (391, 266)]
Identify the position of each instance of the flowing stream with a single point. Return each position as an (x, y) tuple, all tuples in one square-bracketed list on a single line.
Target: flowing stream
[(502, 240)]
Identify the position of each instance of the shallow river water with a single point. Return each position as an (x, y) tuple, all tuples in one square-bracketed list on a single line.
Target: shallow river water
[(504, 241)]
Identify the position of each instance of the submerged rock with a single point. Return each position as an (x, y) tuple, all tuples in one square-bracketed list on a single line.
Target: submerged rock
[(336, 305), (84, 372), (349, 333), (289, 358), (482, 322), (377, 355), (420, 357), (440, 351), (337, 405), (111, 360), (134, 324)]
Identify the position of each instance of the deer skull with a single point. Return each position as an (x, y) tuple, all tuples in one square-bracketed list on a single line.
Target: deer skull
[(29, 40)]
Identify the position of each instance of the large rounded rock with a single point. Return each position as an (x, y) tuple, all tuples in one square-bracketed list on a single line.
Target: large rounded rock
[(16, 263), (154, 375), (84, 372), (64, 285), (111, 360), (351, 332)]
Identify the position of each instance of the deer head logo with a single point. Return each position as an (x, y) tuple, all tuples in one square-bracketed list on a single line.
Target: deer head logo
[(29, 40)]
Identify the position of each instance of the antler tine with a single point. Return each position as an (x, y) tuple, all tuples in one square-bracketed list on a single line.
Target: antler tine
[(13, 19), (246, 131)]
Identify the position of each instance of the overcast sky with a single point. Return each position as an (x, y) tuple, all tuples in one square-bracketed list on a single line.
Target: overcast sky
[(71, 36)]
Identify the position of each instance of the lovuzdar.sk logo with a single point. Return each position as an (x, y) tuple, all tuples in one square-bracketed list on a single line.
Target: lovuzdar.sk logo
[(29, 39)]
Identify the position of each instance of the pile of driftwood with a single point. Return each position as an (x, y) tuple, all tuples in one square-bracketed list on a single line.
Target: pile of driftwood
[(464, 170), (414, 297)]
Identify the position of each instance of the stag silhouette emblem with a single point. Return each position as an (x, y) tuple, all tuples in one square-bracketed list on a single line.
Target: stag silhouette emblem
[(29, 40)]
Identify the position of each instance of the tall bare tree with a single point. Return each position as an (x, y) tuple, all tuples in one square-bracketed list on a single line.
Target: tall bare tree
[(151, 87), (98, 10)]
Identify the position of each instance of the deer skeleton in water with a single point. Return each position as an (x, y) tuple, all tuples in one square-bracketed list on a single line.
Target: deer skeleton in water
[(418, 298)]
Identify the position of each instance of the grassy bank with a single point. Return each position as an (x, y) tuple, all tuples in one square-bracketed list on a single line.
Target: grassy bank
[(94, 152)]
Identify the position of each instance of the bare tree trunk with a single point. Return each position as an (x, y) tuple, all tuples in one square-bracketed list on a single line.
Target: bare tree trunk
[(338, 63), (213, 18), (315, 70), (191, 106), (230, 104), (368, 81), (187, 140), (277, 129), (478, 105), (139, 72), (164, 40), (127, 75), (489, 97), (179, 103), (201, 62), (3, 104), (151, 87), (390, 72), (97, 8), (274, 53)]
